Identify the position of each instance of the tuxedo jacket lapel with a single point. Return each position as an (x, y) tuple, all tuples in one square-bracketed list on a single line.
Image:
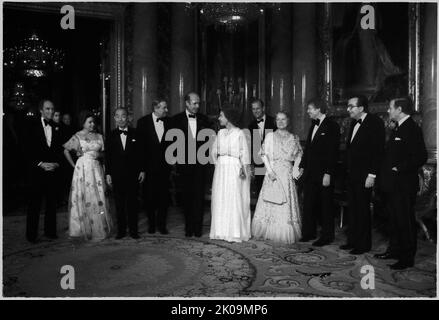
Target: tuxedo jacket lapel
[(118, 141), (42, 134), (165, 129), (319, 130)]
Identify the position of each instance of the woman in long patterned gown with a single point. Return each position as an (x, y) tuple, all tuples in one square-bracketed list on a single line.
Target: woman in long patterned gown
[(230, 205), (277, 215), (89, 216)]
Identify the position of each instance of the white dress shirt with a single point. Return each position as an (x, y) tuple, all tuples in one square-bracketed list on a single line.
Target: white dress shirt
[(357, 126), (400, 122), (317, 127), (192, 124), (159, 127), (47, 132), (123, 137), (261, 126)]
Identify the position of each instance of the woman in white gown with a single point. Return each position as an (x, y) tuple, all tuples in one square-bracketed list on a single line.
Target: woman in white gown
[(89, 216), (230, 205), (277, 215)]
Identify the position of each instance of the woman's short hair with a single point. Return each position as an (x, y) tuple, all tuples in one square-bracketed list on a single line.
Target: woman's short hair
[(83, 116), (233, 115)]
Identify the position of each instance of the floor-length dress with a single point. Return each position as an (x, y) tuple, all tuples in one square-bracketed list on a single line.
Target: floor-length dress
[(89, 216), (230, 205), (279, 222)]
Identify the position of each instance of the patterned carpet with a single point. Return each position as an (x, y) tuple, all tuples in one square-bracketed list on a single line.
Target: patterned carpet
[(173, 266)]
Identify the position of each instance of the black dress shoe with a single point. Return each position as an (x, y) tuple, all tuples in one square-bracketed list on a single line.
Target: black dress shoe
[(135, 236), (401, 265), (346, 247), (198, 234), (33, 241), (356, 251), (119, 236), (151, 230), (188, 234), (51, 237), (385, 255), (321, 242), (163, 231)]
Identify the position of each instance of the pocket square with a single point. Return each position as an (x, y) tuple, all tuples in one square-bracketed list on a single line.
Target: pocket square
[(397, 139), (134, 140), (322, 134)]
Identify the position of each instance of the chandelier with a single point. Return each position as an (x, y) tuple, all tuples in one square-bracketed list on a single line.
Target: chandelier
[(33, 57), (229, 15)]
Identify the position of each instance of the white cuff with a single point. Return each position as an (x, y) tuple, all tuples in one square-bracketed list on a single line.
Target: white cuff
[(372, 175)]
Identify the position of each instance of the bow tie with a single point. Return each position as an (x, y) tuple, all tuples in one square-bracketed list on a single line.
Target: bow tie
[(125, 132), (192, 116), (260, 120), (159, 119), (359, 121), (316, 122), (47, 122)]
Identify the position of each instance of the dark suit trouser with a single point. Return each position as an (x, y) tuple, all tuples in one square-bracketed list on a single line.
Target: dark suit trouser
[(43, 187), (125, 198), (193, 181), (359, 217), (318, 206), (259, 180), (402, 224), (157, 199)]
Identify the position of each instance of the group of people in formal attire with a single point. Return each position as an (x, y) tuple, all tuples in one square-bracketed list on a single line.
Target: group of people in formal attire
[(266, 155)]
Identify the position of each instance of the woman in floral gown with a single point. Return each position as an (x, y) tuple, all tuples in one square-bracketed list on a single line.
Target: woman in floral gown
[(277, 215), (88, 207)]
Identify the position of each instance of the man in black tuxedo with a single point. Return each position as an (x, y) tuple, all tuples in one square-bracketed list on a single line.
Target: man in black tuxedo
[(123, 162), (404, 154), (44, 155), (152, 130), (259, 128), (319, 162), (192, 173), (364, 150)]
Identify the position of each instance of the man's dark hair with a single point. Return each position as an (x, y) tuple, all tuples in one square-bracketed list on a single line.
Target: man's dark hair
[(319, 104), (362, 101), (257, 100), (157, 101), (405, 103), (120, 108)]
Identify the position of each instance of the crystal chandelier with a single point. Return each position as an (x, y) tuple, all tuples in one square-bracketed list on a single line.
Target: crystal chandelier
[(229, 15), (33, 57)]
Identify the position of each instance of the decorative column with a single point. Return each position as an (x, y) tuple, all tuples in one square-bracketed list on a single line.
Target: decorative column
[(429, 78), (281, 62), (144, 65), (304, 64), (183, 56)]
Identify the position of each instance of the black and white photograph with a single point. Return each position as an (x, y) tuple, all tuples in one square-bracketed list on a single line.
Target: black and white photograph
[(219, 150)]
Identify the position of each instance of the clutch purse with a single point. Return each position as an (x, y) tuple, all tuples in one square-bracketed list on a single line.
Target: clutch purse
[(274, 192)]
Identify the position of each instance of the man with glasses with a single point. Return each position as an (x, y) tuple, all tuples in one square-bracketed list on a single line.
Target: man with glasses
[(364, 149)]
